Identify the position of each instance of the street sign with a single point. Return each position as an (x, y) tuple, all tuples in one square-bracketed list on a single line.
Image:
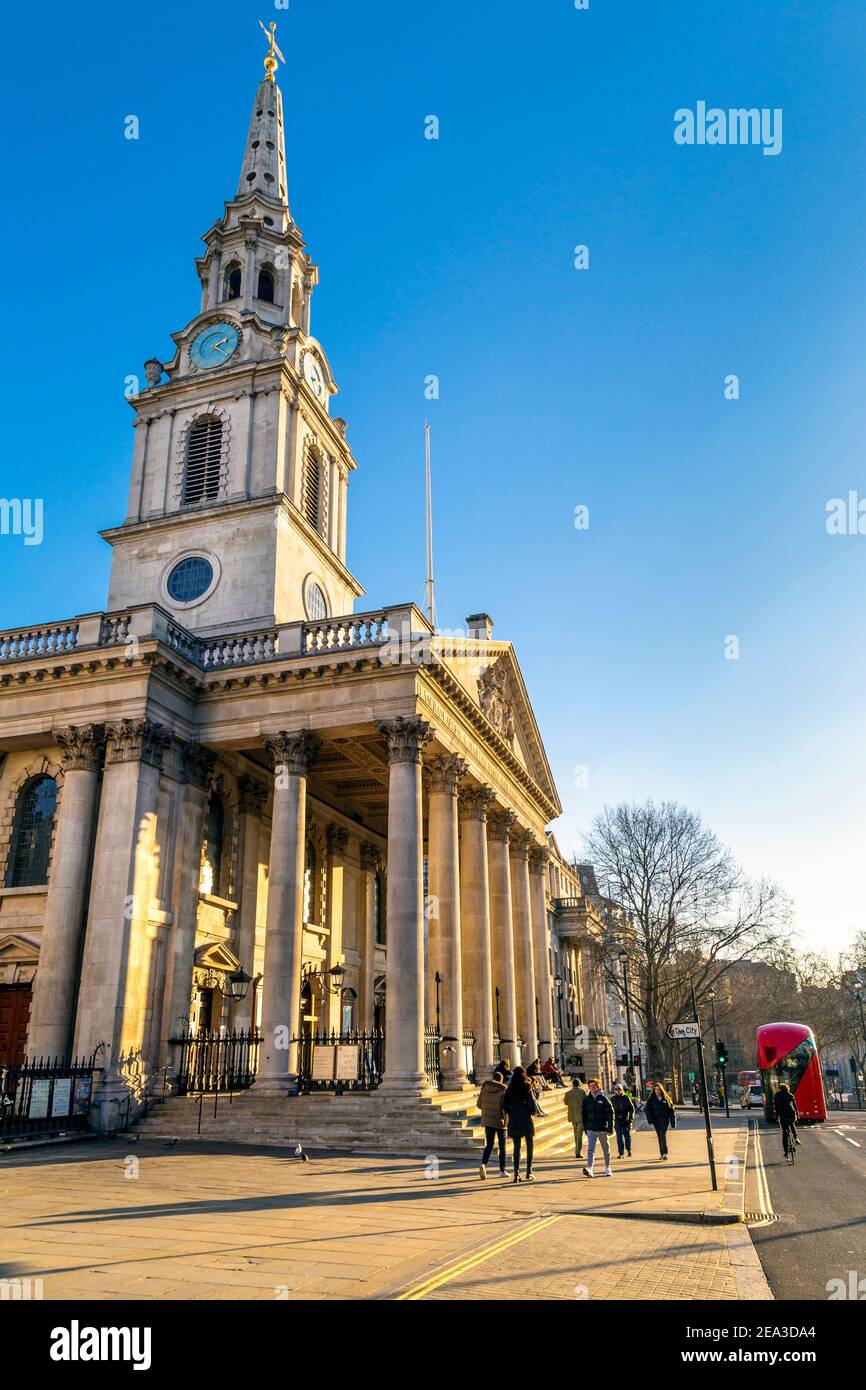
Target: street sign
[(684, 1030)]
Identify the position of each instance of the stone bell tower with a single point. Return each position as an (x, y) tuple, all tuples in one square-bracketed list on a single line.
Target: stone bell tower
[(240, 474)]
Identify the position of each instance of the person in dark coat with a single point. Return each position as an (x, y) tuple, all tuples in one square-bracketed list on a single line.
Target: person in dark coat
[(520, 1107), (598, 1123), (661, 1115), (786, 1112), (504, 1069), (623, 1118)]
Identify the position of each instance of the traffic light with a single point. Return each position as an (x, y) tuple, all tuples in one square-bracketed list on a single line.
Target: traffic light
[(721, 1054)]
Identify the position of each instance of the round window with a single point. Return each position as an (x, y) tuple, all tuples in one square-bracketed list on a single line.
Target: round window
[(316, 605), (190, 579)]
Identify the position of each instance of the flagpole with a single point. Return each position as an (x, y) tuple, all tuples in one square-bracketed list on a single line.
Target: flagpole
[(431, 604)]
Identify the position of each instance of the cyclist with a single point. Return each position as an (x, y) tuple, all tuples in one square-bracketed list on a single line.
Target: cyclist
[(785, 1109)]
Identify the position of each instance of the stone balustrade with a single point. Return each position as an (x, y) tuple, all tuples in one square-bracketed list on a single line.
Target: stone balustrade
[(149, 622)]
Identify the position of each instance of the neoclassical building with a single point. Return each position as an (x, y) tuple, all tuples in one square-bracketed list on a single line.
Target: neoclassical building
[(231, 772)]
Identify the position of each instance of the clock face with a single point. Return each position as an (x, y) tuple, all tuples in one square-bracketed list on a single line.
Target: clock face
[(214, 345), (313, 373)]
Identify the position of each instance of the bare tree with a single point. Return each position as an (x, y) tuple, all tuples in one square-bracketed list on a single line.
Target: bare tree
[(685, 911)]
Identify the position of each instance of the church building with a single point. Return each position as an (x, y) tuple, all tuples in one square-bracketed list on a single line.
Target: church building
[(236, 802)]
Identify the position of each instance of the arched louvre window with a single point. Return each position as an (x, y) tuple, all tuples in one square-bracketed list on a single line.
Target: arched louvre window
[(31, 833), (232, 285), (311, 501), (212, 858), (201, 479), (309, 882), (266, 285)]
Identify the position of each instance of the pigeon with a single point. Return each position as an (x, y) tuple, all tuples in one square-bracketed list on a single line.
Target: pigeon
[(171, 1141), (299, 1153)]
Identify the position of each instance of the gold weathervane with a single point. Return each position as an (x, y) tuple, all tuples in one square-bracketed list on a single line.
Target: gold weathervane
[(273, 52)]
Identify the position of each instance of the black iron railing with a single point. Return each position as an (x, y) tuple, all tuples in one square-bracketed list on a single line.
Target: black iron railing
[(469, 1053), (351, 1061), (217, 1061), (45, 1095), (432, 1057)]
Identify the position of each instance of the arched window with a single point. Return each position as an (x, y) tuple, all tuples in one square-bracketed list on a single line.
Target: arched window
[(31, 833), (232, 281), (311, 500), (204, 446), (348, 1001), (378, 912), (266, 285), (310, 882), (212, 852)]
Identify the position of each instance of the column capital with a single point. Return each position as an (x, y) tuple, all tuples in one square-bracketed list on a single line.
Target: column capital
[(196, 765), (82, 746), (446, 772), (539, 858), (295, 752), (338, 838), (371, 857), (136, 740), (405, 738), (520, 842), (500, 824), (252, 795), (475, 802)]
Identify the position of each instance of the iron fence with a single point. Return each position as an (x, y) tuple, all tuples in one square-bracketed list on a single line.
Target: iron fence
[(217, 1061), (45, 1095)]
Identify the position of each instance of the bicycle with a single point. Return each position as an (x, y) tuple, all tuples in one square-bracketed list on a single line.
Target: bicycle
[(790, 1144)]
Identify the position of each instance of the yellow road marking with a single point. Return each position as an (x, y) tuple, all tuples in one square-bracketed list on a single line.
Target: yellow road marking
[(763, 1186), (467, 1262)]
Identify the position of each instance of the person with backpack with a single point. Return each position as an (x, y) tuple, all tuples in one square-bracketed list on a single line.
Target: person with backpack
[(520, 1107), (598, 1123), (490, 1099), (661, 1115), (623, 1119)]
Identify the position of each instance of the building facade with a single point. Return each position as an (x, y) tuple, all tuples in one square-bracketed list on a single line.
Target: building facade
[(230, 772)]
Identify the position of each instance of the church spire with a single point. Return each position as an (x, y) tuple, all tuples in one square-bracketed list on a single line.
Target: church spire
[(264, 168)]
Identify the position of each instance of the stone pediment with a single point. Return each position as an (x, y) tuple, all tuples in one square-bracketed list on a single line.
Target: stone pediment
[(17, 947), (490, 674), (215, 955)]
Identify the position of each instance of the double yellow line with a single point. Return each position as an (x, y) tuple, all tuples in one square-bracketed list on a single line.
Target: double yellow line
[(446, 1273), (764, 1198)]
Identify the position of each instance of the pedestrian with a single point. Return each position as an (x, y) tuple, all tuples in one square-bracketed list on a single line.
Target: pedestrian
[(490, 1099), (661, 1115), (551, 1071), (598, 1123), (504, 1066), (574, 1106), (537, 1082), (623, 1118), (786, 1112), (520, 1106)]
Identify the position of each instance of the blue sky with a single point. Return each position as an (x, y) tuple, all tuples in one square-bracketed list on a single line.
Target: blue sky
[(559, 387)]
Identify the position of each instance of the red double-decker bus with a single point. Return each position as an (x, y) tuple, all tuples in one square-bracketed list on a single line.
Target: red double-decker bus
[(787, 1052)]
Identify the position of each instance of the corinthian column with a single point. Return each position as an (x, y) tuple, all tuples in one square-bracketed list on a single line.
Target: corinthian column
[(499, 824), (524, 966), (51, 1020), (443, 915), (196, 766), (538, 860), (405, 740), (292, 755), (475, 924), (252, 795), (117, 986)]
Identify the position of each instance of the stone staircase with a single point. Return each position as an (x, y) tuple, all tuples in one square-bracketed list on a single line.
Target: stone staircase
[(445, 1122)]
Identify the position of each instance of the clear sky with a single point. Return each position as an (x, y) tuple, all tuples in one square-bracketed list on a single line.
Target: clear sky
[(560, 387)]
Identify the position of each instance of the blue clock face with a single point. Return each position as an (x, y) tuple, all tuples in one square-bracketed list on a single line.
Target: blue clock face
[(214, 345)]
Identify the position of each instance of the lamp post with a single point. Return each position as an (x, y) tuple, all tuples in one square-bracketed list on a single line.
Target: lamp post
[(438, 978), (558, 982), (498, 1030), (623, 958), (859, 997)]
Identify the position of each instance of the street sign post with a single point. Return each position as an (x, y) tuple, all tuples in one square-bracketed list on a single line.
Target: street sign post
[(684, 1031), (705, 1099)]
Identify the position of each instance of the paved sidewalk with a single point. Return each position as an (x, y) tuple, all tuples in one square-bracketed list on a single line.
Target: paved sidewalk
[(149, 1220)]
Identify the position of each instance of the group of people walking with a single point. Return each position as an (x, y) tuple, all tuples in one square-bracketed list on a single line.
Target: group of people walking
[(509, 1104)]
